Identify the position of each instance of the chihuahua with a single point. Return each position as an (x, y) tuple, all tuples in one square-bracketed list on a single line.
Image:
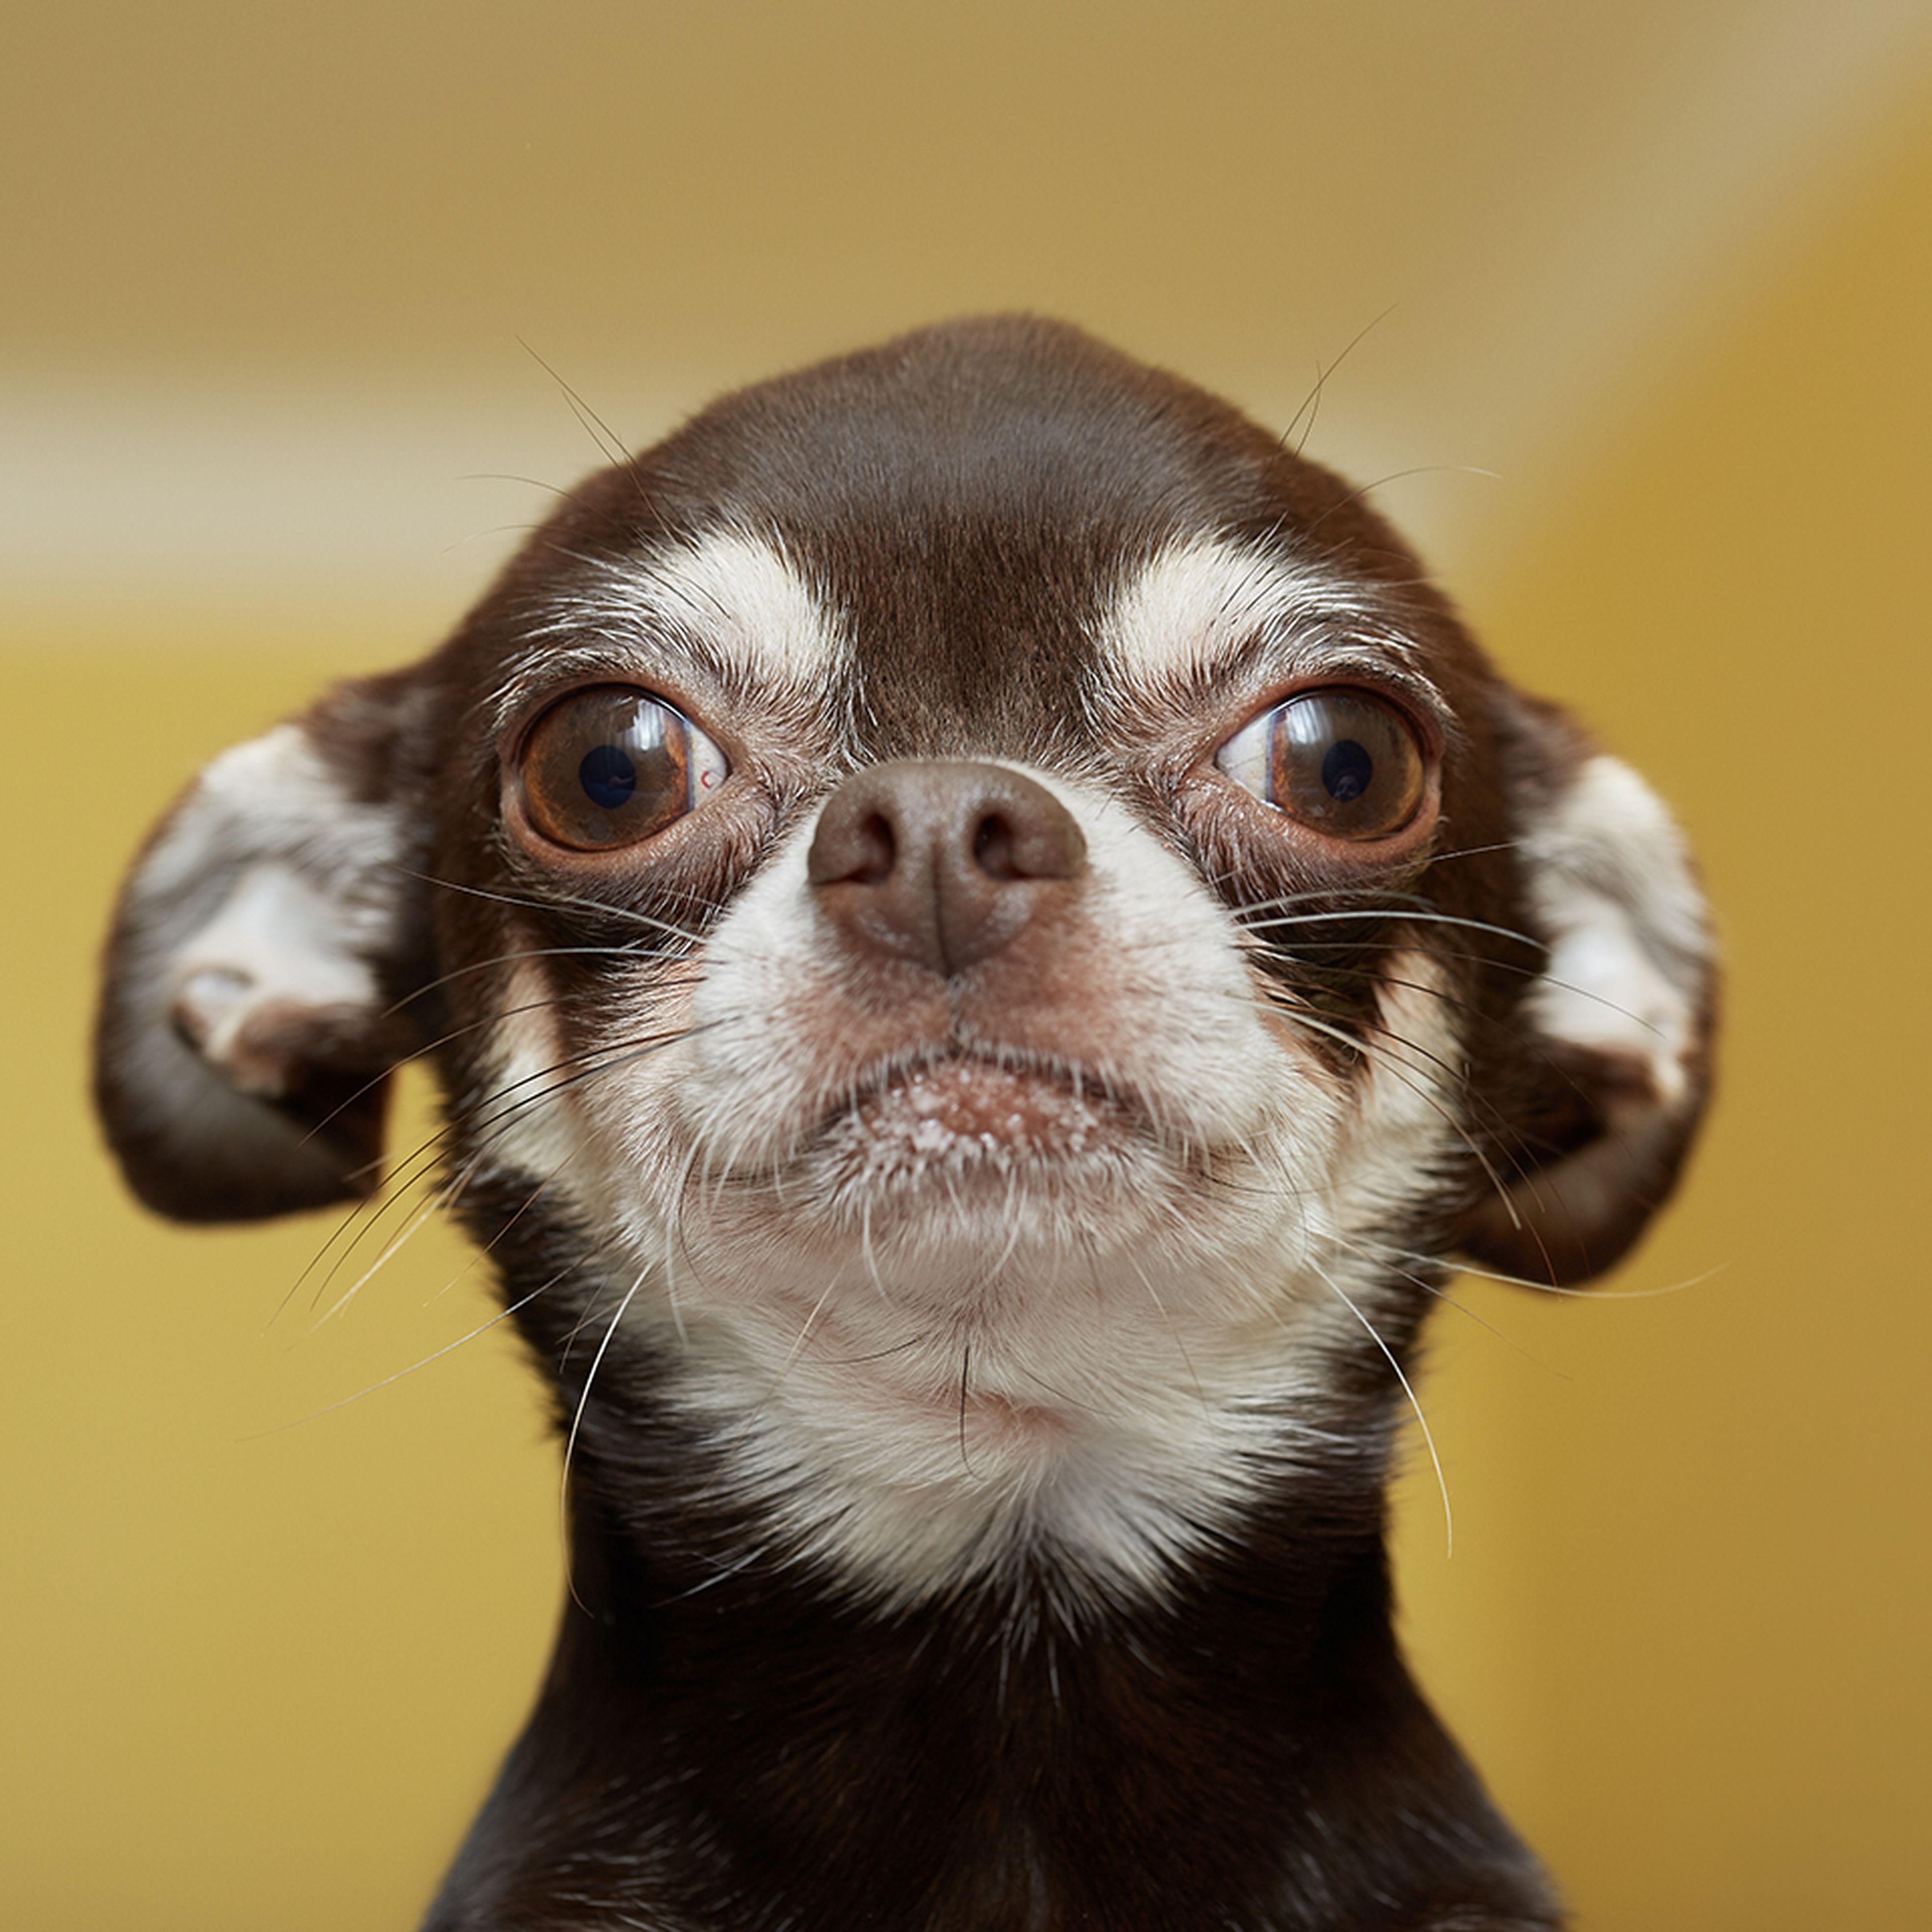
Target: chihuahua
[(989, 944)]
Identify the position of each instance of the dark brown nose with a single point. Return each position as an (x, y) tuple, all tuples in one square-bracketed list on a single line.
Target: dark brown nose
[(940, 861)]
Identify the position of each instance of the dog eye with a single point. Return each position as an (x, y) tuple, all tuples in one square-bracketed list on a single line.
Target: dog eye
[(1343, 762), (610, 767)]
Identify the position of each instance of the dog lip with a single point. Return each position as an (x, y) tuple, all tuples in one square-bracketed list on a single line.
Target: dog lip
[(965, 1102)]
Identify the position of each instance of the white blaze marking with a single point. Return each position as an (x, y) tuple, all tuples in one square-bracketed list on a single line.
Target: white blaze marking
[(1188, 609), (731, 594)]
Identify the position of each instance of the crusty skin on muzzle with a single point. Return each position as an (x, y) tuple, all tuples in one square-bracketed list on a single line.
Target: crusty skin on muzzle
[(989, 941)]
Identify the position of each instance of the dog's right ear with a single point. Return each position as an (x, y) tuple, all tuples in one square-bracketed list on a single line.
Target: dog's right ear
[(248, 1020)]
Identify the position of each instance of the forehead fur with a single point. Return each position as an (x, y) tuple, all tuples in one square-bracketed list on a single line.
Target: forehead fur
[(968, 500)]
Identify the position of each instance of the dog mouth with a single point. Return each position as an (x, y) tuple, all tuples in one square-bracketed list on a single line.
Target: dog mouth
[(964, 1111)]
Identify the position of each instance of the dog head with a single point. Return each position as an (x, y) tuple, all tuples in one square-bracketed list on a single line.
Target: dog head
[(987, 935)]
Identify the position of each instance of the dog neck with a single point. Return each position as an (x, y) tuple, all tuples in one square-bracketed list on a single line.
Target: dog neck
[(726, 1736)]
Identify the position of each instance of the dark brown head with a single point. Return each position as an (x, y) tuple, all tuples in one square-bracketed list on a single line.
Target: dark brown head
[(971, 902)]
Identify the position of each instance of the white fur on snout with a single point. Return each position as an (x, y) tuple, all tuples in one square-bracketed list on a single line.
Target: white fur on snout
[(1184, 1031)]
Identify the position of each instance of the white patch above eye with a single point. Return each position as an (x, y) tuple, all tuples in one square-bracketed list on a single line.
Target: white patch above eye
[(1178, 616), (729, 597), (1610, 881)]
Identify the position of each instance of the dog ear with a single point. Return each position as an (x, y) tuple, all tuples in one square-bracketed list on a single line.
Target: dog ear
[(248, 1021), (1615, 1031)]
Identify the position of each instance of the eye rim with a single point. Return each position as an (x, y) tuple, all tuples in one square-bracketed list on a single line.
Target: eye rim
[(1424, 732), (515, 751)]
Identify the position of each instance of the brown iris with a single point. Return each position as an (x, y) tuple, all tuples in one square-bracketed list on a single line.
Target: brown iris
[(609, 766), (1342, 762)]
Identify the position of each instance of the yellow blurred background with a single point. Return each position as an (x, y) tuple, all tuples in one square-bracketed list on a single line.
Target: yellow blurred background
[(283, 287)]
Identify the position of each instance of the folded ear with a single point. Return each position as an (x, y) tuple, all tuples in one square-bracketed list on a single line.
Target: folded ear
[(1617, 1026), (247, 1024)]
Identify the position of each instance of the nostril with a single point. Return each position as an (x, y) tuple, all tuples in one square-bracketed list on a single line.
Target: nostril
[(993, 848), (875, 850), (858, 847), (1025, 834)]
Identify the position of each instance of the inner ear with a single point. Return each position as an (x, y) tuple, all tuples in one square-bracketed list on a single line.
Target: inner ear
[(250, 1017), (1616, 1030)]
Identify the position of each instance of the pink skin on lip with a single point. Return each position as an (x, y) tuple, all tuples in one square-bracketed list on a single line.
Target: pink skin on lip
[(936, 1110)]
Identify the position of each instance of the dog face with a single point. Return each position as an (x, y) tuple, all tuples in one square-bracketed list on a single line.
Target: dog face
[(987, 936)]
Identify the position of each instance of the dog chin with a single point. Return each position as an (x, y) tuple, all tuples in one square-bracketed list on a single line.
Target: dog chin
[(948, 1228)]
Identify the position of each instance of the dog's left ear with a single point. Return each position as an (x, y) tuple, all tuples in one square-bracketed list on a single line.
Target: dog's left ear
[(1614, 1034), (248, 1020)]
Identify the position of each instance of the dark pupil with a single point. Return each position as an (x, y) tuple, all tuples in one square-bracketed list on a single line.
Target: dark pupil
[(608, 777), (1346, 770)]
